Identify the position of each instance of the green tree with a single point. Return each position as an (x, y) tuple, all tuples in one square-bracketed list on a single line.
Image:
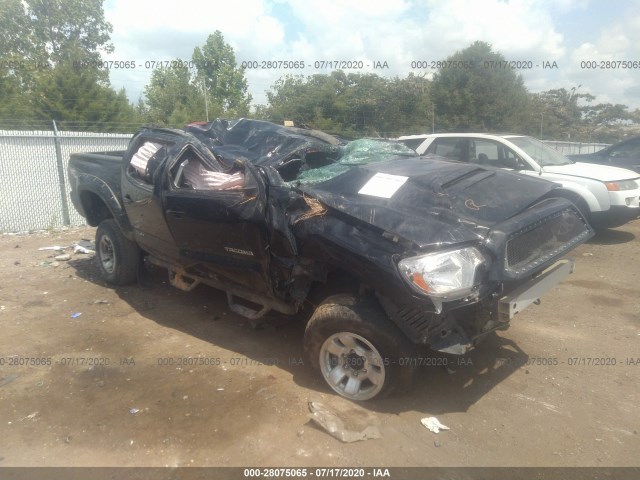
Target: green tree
[(602, 120), (55, 46), (354, 104), (480, 95), (65, 28), (78, 100), (216, 68), (557, 113), (172, 98)]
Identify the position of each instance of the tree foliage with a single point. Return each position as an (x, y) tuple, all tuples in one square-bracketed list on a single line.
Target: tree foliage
[(174, 98), (177, 95), (62, 29), (216, 68), (51, 49), (479, 95), (350, 104)]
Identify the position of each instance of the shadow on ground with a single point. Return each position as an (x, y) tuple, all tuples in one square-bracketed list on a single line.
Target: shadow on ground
[(444, 383), (610, 236)]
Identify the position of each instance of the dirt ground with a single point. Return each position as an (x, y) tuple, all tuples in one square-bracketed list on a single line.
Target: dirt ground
[(149, 375)]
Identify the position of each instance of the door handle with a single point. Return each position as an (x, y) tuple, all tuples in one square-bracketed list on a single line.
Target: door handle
[(176, 213)]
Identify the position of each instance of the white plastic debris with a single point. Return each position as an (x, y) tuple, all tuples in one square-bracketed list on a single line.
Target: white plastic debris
[(80, 249), (335, 426), (134, 410), (433, 424), (55, 248), (62, 258)]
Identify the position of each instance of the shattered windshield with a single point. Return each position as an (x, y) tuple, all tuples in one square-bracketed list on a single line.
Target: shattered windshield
[(356, 152), (542, 154)]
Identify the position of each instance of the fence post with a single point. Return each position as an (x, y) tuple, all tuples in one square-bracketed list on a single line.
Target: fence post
[(61, 179)]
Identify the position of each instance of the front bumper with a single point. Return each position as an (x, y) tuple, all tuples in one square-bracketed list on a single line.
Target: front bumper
[(523, 296), (457, 331), (616, 216)]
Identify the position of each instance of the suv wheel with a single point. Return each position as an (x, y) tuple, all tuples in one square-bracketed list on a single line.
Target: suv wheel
[(118, 257), (357, 349)]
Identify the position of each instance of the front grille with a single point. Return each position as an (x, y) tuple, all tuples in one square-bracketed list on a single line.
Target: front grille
[(547, 238)]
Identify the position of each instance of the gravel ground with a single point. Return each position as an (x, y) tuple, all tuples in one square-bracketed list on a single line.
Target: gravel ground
[(148, 375)]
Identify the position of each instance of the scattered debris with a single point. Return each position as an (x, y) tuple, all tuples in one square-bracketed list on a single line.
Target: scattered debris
[(6, 380), (101, 302), (587, 254), (55, 248), (80, 249), (62, 258), (31, 416), (134, 410), (76, 314), (220, 389), (315, 210), (433, 424), (334, 425)]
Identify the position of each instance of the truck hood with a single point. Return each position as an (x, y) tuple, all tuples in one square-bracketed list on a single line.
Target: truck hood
[(603, 173), (435, 203)]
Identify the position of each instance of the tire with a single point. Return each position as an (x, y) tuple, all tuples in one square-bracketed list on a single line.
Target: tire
[(117, 256), (378, 358)]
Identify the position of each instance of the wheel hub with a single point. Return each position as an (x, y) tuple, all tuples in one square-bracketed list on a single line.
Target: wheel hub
[(352, 366), (354, 361), (107, 254)]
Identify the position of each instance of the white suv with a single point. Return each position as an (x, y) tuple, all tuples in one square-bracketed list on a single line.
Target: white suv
[(608, 196)]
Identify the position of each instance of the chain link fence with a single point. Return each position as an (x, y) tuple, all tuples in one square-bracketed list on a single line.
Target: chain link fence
[(33, 171), (575, 148)]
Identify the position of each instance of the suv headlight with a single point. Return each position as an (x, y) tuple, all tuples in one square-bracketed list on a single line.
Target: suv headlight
[(621, 185), (448, 275)]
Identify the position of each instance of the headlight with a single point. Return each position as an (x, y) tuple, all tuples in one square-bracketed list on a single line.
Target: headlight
[(621, 185), (446, 275)]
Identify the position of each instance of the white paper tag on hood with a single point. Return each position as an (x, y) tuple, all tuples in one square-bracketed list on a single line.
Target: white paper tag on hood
[(383, 185)]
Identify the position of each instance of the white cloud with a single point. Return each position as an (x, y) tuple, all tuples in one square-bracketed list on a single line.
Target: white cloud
[(617, 42), (396, 31)]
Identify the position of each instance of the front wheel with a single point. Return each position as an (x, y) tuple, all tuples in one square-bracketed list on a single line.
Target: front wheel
[(118, 257), (357, 349)]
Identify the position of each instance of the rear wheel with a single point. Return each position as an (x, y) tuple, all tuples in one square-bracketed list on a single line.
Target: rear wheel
[(118, 257), (358, 351)]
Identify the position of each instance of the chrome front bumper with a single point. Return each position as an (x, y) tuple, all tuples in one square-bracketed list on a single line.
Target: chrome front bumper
[(523, 296)]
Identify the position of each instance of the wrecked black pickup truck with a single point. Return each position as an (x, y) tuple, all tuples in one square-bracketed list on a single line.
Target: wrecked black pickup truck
[(389, 252)]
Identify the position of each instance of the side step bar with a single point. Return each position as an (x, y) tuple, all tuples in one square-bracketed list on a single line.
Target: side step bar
[(179, 278)]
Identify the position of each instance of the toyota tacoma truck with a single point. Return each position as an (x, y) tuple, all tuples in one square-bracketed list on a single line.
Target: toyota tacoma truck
[(388, 253)]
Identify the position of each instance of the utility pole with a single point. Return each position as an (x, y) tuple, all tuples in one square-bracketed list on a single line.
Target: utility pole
[(433, 119), (206, 101)]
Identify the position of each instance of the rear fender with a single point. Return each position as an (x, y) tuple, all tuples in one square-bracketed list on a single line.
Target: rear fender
[(94, 185)]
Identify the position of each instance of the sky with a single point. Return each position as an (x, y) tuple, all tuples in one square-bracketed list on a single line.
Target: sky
[(391, 34)]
